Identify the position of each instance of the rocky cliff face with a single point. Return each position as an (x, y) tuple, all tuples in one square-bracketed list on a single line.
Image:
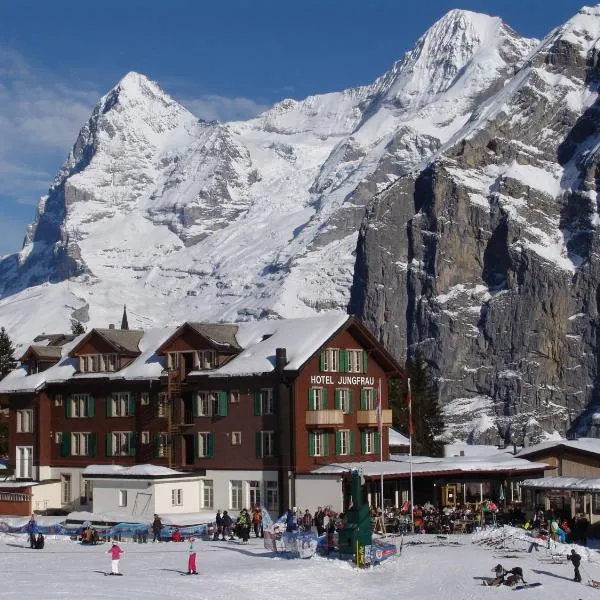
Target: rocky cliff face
[(487, 258)]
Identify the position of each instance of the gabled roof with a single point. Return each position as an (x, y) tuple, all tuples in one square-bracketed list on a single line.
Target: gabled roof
[(584, 445), (42, 353), (124, 341), (220, 334), (54, 339)]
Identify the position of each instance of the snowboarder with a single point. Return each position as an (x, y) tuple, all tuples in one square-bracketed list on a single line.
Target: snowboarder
[(576, 560), (115, 553), (192, 557), (156, 528)]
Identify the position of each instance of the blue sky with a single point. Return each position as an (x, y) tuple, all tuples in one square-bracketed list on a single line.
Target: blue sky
[(227, 60)]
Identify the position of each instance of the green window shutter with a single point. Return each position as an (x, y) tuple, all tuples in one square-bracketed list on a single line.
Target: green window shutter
[(108, 402), (108, 444), (343, 361), (363, 442), (376, 442), (211, 445), (350, 401), (338, 443), (311, 443), (132, 443), (351, 449), (365, 361), (257, 404), (131, 404), (258, 442), (325, 444), (92, 444), (222, 396), (322, 361), (68, 407), (91, 401), (65, 444), (363, 399), (195, 400), (311, 399), (325, 398), (338, 399)]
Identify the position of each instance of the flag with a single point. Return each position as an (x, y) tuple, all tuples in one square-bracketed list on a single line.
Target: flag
[(411, 428), (379, 415)]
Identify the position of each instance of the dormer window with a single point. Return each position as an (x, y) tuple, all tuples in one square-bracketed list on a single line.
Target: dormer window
[(97, 363), (205, 359)]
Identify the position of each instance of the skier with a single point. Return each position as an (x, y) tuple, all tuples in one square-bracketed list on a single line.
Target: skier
[(156, 528), (192, 557), (576, 560), (115, 553)]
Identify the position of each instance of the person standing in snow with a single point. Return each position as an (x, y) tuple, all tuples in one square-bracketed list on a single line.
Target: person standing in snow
[(32, 529), (243, 524), (227, 523), (156, 528), (192, 557), (115, 553), (576, 560)]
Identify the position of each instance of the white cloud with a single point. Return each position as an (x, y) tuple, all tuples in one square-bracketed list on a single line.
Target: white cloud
[(211, 107)]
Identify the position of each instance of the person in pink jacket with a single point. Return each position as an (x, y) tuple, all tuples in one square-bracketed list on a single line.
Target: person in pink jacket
[(115, 553)]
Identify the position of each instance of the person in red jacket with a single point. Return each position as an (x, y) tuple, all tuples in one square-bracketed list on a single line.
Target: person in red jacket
[(115, 553)]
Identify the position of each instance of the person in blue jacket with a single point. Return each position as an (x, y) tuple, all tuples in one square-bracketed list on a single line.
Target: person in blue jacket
[(32, 529)]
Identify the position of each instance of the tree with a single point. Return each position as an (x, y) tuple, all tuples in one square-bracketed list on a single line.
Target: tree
[(77, 327), (7, 354), (426, 414)]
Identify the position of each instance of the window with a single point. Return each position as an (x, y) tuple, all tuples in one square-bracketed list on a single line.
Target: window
[(236, 495), (208, 493), (80, 406), (263, 402), (121, 404), (356, 361), (97, 363), (120, 443), (87, 491), (58, 400), (236, 438), (145, 398), (162, 444), (265, 444), (254, 492), (57, 437), (318, 443), (145, 437), (272, 490), (330, 359), (343, 400), (205, 359), (177, 497), (369, 442), (83, 444), (122, 497), (368, 399), (173, 360), (162, 405), (317, 399), (211, 404), (234, 397), (65, 488), (25, 421), (24, 462), (344, 442), (205, 445)]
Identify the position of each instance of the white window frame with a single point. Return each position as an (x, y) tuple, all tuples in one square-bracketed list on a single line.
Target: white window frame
[(370, 442), (266, 401), (58, 400), (120, 443), (173, 360), (120, 404), (205, 359), (57, 437), (236, 438), (344, 442), (355, 360), (66, 488), (177, 497), (370, 398), (267, 442), (25, 420), (203, 437), (331, 360), (318, 398), (24, 462), (236, 494), (234, 396), (208, 493), (79, 406), (272, 495), (122, 497), (80, 443), (319, 447), (208, 404), (344, 395), (145, 437), (144, 398)]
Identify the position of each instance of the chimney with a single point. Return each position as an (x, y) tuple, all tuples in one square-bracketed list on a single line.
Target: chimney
[(111, 326), (280, 359)]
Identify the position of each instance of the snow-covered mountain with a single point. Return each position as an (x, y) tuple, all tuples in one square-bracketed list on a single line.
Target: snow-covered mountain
[(450, 203)]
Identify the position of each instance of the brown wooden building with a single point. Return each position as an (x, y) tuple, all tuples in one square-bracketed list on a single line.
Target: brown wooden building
[(248, 406)]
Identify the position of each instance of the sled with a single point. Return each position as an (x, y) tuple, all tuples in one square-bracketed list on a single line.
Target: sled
[(524, 586)]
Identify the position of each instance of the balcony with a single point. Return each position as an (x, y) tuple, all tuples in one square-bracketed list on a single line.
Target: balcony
[(368, 418), (324, 418)]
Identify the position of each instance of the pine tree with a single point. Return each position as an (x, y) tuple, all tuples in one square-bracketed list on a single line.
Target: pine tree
[(7, 352), (77, 327), (426, 414)]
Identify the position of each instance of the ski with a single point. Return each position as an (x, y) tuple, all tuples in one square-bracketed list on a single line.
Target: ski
[(527, 585), (119, 574)]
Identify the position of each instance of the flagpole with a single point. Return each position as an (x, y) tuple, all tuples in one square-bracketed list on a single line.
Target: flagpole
[(410, 434), (380, 426)]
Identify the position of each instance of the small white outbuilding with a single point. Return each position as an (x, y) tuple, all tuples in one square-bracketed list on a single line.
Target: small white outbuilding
[(143, 490)]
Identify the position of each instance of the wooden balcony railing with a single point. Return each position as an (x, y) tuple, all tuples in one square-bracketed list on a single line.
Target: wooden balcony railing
[(324, 418), (369, 417)]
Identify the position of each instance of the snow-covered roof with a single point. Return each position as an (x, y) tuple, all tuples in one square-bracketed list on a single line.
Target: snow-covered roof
[(400, 466), (480, 450), (397, 439), (590, 445), (258, 340), (137, 471), (581, 484)]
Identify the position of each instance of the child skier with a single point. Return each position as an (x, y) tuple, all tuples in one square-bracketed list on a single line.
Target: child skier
[(115, 553), (192, 557)]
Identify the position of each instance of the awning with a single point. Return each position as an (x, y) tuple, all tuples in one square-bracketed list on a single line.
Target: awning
[(564, 484)]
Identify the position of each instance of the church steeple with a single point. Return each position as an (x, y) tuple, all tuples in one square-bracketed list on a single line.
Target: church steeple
[(124, 323)]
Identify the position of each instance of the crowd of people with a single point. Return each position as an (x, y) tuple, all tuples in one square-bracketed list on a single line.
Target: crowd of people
[(561, 529)]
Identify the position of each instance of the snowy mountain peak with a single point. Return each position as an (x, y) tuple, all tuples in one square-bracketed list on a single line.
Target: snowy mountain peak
[(581, 30)]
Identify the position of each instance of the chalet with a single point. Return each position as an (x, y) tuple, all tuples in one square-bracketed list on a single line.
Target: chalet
[(248, 408)]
